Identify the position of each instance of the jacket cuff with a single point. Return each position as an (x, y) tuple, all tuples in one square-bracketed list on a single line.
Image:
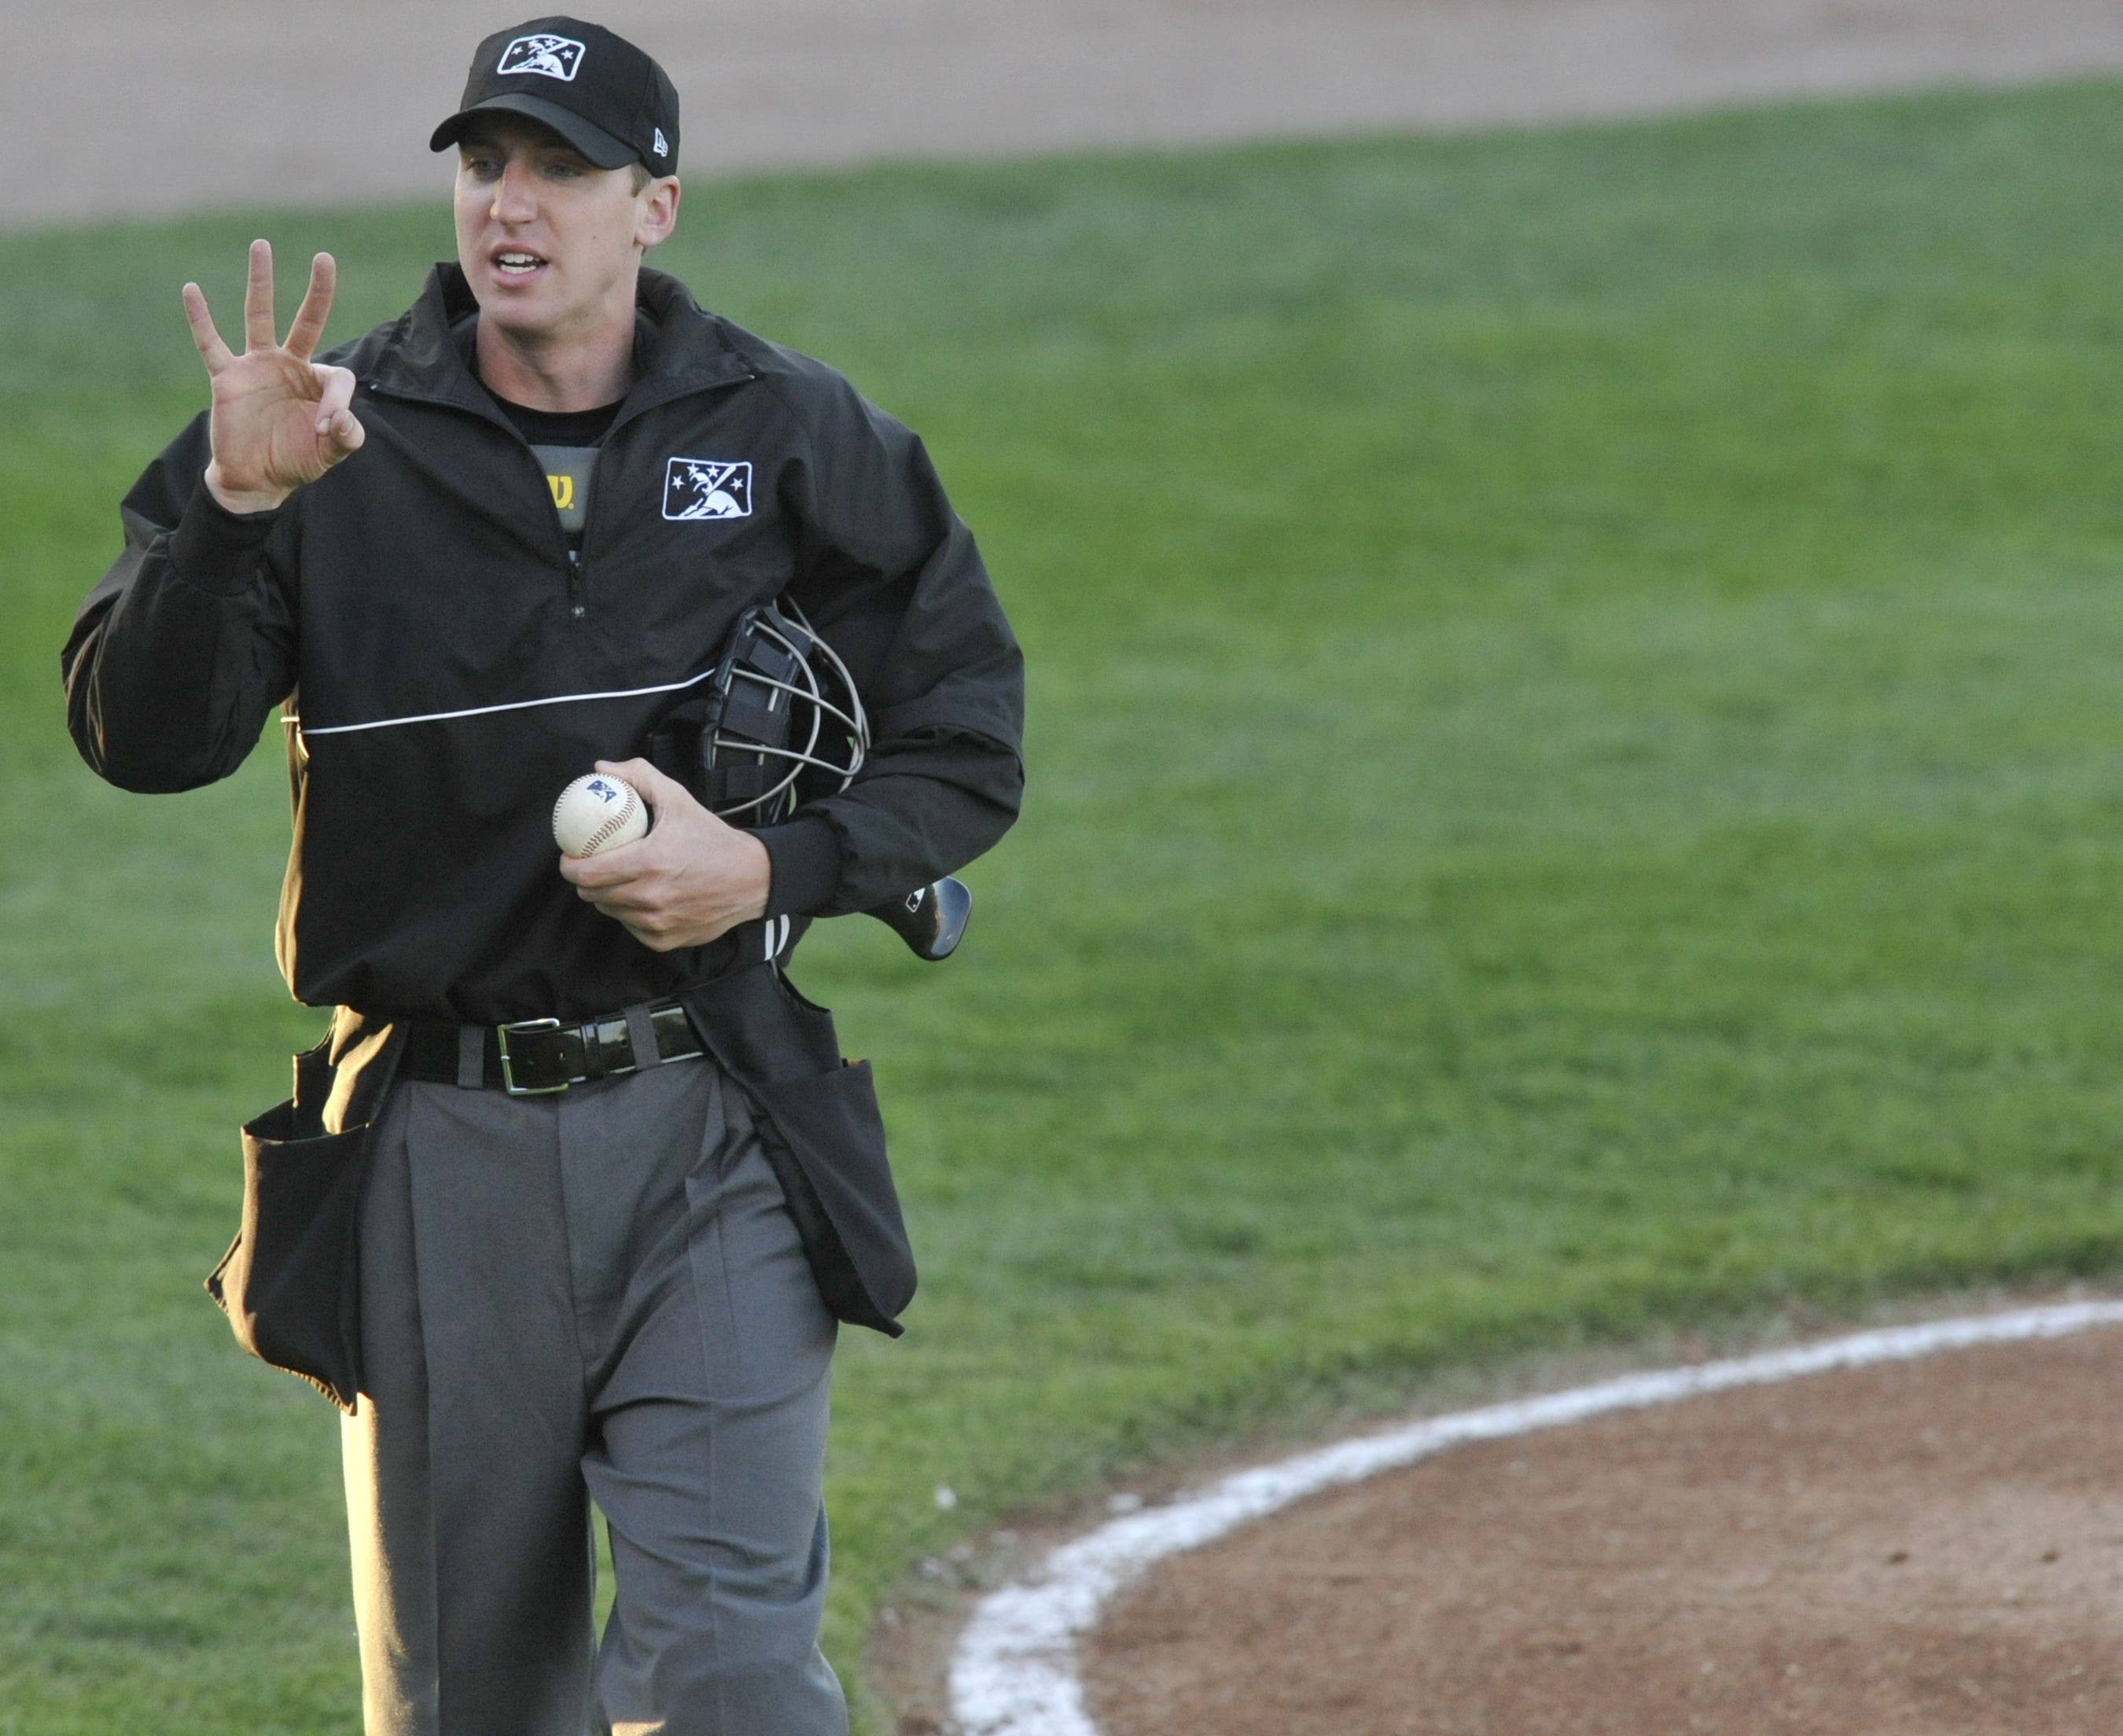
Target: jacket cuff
[(806, 859), (213, 549)]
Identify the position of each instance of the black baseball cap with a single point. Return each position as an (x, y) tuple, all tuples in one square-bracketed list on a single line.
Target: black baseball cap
[(598, 91)]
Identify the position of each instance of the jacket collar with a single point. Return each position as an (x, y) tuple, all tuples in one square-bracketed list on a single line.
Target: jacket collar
[(681, 349)]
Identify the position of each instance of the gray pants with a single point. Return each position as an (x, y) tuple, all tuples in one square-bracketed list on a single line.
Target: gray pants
[(596, 1296)]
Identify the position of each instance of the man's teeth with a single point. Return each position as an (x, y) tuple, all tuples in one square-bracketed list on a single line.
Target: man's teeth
[(519, 261)]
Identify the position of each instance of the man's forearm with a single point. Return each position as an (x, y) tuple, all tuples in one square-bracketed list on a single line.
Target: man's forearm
[(177, 657), (918, 812)]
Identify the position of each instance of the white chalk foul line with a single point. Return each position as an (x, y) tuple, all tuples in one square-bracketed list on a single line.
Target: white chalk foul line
[(1014, 1670)]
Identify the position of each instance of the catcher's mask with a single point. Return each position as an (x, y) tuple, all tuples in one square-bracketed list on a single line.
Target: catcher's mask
[(778, 722)]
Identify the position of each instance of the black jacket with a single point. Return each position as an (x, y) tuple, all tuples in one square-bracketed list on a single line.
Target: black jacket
[(446, 669), (450, 672)]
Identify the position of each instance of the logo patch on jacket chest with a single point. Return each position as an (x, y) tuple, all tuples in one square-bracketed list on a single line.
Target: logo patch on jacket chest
[(706, 488)]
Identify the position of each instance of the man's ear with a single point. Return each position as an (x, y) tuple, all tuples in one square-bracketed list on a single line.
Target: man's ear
[(657, 213)]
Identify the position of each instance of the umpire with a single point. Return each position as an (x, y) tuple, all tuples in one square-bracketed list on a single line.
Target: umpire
[(567, 1205)]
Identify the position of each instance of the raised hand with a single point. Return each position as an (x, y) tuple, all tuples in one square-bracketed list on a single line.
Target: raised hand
[(280, 419)]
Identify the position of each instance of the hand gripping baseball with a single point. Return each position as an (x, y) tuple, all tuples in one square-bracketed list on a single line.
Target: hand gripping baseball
[(693, 878), (280, 419)]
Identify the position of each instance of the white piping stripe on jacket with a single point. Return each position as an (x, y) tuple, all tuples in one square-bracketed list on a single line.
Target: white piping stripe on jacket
[(480, 711)]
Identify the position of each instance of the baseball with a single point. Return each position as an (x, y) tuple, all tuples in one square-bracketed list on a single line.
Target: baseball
[(598, 813)]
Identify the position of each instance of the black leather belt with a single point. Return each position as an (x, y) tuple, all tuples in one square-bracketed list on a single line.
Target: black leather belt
[(536, 1055)]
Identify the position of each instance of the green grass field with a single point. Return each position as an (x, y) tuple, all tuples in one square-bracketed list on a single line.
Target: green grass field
[(1577, 786)]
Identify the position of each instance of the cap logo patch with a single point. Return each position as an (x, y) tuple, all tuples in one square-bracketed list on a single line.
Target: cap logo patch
[(662, 148), (706, 488), (550, 57)]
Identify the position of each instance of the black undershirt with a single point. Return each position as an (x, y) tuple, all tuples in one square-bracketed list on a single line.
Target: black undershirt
[(559, 428)]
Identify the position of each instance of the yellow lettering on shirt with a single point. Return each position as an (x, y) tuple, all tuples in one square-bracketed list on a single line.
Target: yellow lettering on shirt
[(564, 491)]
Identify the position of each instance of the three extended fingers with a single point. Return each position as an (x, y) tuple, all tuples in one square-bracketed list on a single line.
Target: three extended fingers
[(258, 323)]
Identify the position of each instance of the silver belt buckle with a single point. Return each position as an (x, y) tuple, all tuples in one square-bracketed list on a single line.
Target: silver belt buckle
[(501, 1036)]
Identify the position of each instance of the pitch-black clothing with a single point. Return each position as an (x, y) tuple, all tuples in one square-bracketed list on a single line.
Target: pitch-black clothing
[(446, 668), (558, 427)]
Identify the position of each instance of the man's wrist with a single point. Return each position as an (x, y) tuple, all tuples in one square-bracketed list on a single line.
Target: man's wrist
[(761, 876), (212, 549), (806, 857), (243, 503)]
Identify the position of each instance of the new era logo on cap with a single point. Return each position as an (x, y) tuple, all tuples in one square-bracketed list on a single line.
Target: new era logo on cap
[(550, 57)]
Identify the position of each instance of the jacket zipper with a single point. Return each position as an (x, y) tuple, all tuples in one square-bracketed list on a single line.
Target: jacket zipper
[(577, 608), (572, 568)]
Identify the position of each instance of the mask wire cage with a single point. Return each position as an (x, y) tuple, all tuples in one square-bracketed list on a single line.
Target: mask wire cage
[(781, 722)]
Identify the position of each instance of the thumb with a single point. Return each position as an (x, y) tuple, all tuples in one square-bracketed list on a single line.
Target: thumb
[(336, 420), (657, 790)]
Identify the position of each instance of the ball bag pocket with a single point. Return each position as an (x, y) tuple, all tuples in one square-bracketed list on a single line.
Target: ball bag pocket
[(289, 1283)]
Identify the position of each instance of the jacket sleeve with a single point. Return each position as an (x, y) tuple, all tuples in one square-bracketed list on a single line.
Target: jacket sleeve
[(889, 574), (177, 657)]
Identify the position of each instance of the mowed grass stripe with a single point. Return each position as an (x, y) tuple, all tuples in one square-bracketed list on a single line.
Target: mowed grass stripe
[(1575, 788)]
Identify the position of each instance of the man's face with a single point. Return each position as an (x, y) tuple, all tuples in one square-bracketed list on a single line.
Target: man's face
[(551, 243)]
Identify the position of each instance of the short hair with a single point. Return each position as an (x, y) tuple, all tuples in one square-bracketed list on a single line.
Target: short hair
[(638, 171)]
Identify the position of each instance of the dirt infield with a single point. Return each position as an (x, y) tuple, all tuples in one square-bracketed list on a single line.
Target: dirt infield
[(125, 106), (1933, 1546)]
